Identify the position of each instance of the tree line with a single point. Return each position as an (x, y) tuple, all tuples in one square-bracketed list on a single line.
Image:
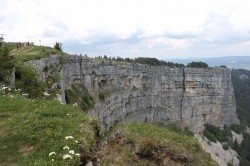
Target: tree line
[(154, 62)]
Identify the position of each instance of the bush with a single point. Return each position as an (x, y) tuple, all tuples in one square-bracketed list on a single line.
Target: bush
[(27, 80), (6, 62), (225, 146), (238, 128), (214, 133), (79, 94), (58, 46), (210, 136), (197, 65)]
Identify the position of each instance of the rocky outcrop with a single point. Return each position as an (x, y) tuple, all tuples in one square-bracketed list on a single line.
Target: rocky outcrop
[(125, 93), (217, 152)]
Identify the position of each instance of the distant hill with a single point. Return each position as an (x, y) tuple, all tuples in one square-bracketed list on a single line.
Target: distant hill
[(235, 62)]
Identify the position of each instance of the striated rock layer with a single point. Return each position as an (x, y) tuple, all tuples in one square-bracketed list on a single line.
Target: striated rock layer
[(190, 97)]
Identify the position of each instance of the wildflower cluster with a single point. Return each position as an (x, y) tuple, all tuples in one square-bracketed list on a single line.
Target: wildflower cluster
[(10, 92), (68, 153)]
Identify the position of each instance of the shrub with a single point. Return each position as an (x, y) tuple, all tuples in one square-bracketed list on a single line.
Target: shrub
[(214, 133), (79, 94), (238, 128), (210, 136), (27, 80), (6, 62), (197, 65), (225, 146), (58, 46), (62, 59)]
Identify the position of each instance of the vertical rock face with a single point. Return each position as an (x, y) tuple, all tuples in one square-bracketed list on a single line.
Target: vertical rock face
[(190, 97)]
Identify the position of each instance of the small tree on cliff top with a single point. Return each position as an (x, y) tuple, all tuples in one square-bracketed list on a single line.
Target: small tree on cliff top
[(58, 46), (6, 61)]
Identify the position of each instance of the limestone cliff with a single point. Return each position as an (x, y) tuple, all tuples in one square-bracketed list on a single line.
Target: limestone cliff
[(190, 97)]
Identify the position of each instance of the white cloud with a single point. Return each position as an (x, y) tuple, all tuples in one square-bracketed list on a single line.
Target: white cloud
[(124, 27)]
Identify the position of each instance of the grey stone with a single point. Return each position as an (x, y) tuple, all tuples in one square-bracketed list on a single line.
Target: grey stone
[(189, 97)]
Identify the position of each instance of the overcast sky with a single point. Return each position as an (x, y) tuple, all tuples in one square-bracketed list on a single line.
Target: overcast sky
[(131, 28)]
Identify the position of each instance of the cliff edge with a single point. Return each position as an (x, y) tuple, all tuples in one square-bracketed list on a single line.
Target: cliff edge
[(124, 93)]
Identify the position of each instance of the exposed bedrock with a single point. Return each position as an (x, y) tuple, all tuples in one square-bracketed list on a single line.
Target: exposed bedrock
[(190, 97)]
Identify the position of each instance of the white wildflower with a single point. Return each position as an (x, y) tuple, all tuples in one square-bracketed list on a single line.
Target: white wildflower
[(69, 137), (52, 153), (71, 152), (77, 154), (9, 89), (67, 156), (46, 94), (4, 87), (65, 147), (74, 104), (18, 89), (76, 141), (67, 114)]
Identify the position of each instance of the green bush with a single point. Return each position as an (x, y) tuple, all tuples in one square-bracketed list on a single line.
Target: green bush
[(197, 65), (7, 62), (79, 94), (27, 80), (58, 46), (214, 133), (210, 136), (225, 146)]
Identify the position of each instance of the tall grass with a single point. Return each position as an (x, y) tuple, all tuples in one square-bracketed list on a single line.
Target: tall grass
[(31, 129)]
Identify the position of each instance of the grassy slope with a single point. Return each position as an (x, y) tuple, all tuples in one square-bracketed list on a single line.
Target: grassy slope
[(31, 129), (32, 52), (147, 144)]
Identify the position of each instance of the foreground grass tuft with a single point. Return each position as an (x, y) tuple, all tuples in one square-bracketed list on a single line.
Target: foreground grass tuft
[(31, 129), (148, 144)]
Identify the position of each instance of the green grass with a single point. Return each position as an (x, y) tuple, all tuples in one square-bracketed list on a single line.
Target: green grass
[(11, 46), (31, 129), (148, 144), (33, 52)]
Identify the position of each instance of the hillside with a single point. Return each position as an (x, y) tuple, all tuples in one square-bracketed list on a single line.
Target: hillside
[(38, 128), (31, 131)]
